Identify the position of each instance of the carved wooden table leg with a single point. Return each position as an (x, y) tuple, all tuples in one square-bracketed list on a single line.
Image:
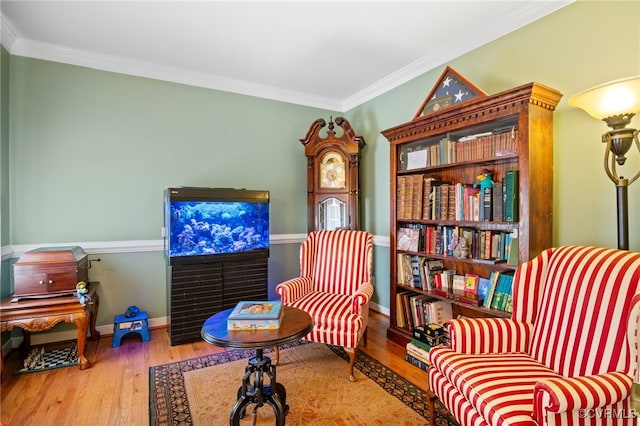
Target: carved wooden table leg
[(93, 307), (44, 313), (82, 324)]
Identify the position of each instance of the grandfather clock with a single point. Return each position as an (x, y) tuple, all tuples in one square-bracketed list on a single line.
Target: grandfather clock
[(333, 193)]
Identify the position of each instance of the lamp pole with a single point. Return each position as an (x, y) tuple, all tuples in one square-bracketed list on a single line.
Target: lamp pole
[(623, 210), (615, 103)]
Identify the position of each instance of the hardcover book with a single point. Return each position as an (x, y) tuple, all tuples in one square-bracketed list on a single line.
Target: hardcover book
[(252, 315), (510, 195)]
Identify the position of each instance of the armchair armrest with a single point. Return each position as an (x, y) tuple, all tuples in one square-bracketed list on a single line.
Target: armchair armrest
[(579, 393), (489, 335), (361, 297), (293, 289)]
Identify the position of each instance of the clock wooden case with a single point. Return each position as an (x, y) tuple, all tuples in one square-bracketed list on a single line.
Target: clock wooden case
[(332, 176)]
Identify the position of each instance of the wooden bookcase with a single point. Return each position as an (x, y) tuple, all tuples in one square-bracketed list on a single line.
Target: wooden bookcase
[(525, 113)]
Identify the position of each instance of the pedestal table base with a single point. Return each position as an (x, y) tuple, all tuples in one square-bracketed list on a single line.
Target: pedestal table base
[(260, 393)]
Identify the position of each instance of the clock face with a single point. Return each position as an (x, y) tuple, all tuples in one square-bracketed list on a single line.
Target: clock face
[(332, 171)]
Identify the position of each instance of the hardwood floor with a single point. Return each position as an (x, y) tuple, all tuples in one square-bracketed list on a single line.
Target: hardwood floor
[(114, 391)]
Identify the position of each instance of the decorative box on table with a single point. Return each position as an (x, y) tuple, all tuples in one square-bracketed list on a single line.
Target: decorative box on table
[(250, 315), (49, 271)]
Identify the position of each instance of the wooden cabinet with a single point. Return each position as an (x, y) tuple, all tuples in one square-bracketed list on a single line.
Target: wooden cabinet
[(198, 288), (49, 271), (500, 133)]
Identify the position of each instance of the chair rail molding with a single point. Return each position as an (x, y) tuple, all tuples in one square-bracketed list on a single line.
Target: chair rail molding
[(137, 246)]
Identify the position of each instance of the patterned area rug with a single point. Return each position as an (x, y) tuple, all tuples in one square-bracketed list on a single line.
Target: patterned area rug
[(202, 391)]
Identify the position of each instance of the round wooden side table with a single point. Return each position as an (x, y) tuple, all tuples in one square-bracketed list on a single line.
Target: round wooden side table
[(294, 325)]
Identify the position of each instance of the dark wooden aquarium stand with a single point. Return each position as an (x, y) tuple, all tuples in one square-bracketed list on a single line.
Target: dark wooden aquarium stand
[(199, 287)]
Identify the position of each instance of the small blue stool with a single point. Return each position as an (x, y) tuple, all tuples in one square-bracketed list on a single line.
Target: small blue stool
[(124, 325)]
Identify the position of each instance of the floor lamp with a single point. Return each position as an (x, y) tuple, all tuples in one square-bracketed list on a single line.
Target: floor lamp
[(615, 103)]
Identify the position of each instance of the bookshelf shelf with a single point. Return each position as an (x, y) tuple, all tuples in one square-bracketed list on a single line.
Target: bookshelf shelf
[(479, 310), (483, 162), (496, 134)]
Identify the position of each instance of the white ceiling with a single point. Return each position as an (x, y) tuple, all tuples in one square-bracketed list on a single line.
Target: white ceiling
[(327, 54)]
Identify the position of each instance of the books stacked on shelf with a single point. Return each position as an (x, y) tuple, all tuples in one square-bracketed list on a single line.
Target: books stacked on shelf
[(420, 363), (470, 289), (251, 315), (409, 197), (414, 310), (485, 246), (499, 142), (421, 197), (500, 292), (431, 268), (423, 339), (418, 354), (510, 196), (417, 271), (512, 249)]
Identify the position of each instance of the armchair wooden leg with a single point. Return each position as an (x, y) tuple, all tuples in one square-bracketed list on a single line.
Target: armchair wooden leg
[(431, 398), (276, 356), (352, 362)]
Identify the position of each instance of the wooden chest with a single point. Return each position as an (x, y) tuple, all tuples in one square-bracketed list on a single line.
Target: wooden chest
[(49, 271)]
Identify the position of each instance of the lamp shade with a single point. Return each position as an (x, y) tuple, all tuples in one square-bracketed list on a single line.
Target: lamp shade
[(609, 99)]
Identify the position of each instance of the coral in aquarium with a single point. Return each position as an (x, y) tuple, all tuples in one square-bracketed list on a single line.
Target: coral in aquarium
[(201, 228)]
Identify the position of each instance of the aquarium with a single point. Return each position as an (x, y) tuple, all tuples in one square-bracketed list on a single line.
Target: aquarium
[(213, 222)]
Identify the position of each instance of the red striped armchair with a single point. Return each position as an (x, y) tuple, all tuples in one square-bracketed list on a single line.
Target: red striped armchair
[(567, 356), (334, 287)]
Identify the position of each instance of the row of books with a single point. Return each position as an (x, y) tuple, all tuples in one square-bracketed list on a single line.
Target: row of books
[(417, 354), (498, 143), (419, 197), (414, 310), (420, 362), (480, 245), (418, 271), (500, 292), (424, 338), (427, 274), (494, 292)]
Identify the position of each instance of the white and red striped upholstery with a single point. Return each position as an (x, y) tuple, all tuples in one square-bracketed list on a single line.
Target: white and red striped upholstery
[(334, 286), (567, 355)]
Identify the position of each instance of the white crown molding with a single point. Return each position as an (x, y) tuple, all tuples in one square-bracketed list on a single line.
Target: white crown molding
[(521, 16), (455, 48), (7, 35), (122, 65)]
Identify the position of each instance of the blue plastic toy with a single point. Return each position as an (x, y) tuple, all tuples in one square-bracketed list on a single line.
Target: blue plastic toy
[(132, 321)]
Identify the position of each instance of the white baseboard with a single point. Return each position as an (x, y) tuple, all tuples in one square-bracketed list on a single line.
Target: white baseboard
[(378, 308), (104, 330), (61, 336)]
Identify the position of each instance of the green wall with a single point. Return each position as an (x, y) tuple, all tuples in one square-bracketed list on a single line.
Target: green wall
[(569, 50), (4, 167), (90, 152)]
